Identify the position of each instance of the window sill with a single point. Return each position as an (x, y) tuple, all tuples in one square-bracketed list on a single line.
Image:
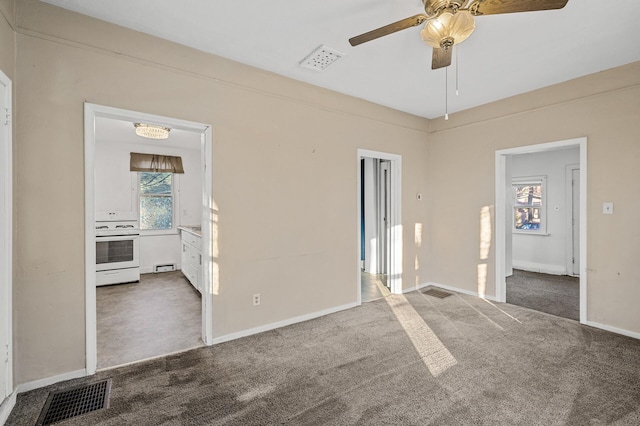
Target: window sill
[(541, 234), (154, 233)]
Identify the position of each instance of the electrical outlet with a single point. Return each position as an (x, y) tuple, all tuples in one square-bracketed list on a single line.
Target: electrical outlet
[(256, 299)]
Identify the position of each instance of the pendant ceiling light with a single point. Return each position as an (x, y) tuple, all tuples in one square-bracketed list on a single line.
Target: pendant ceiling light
[(151, 131), (449, 28)]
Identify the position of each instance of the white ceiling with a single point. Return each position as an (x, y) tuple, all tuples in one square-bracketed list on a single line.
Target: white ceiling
[(506, 55), (120, 131)]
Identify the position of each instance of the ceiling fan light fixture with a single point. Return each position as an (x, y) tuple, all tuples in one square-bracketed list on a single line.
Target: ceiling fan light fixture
[(151, 131), (448, 28)]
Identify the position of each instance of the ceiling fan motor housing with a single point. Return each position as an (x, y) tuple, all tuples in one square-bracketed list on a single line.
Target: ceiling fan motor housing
[(433, 7)]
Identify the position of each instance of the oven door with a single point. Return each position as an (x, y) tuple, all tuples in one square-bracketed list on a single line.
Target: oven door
[(117, 252)]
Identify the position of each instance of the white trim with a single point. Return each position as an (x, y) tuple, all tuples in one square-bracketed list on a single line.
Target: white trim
[(6, 406), (395, 240), (569, 216), (500, 214), (40, 383), (459, 290), (91, 111), (540, 267), (6, 222), (616, 330), (583, 230), (209, 218), (283, 323), (91, 340)]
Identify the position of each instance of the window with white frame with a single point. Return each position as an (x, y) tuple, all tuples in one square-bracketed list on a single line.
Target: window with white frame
[(156, 200), (529, 205)]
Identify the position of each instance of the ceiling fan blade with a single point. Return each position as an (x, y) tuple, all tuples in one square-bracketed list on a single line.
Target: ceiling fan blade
[(441, 58), (388, 29), (494, 7)]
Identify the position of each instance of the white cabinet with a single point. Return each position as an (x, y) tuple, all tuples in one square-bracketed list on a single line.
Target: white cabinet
[(192, 259)]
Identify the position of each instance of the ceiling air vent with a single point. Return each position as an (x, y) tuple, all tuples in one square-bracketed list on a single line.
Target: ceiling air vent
[(321, 58)]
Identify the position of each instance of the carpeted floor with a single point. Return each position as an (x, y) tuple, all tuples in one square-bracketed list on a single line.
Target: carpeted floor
[(402, 360), (554, 294)]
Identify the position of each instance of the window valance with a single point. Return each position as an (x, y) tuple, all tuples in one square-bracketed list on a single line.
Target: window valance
[(155, 163)]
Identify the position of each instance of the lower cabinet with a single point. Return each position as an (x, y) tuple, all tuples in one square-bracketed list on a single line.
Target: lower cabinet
[(192, 259)]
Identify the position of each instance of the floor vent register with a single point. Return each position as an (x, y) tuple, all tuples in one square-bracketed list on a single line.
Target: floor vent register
[(440, 294), (68, 403)]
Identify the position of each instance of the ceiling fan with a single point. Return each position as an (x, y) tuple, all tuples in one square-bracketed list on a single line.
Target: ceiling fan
[(450, 22)]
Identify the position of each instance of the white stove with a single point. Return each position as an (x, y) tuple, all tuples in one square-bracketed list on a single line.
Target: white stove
[(117, 252)]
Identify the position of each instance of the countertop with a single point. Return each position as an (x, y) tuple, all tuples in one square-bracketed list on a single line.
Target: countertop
[(195, 230)]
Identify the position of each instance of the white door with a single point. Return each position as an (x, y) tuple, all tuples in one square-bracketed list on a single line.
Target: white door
[(575, 228), (5, 236)]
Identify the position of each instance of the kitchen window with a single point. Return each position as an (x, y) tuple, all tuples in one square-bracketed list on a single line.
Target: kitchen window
[(529, 205), (156, 200)]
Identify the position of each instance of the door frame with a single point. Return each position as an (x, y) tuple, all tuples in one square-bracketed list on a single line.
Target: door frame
[(91, 112), (569, 226), (501, 216), (394, 274), (6, 222)]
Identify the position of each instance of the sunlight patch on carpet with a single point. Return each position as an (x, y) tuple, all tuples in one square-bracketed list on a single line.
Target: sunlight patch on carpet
[(510, 316), (434, 354), (257, 392)]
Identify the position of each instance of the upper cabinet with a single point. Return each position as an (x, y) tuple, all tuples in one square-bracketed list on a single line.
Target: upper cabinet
[(115, 184)]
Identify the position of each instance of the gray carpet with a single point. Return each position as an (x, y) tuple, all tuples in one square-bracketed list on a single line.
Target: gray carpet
[(403, 360), (554, 294)]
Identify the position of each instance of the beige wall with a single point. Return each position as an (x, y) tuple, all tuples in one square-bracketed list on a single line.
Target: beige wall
[(7, 37), (284, 176), (605, 108)]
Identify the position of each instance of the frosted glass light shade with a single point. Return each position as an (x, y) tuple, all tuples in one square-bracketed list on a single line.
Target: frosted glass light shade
[(448, 29), (151, 131)]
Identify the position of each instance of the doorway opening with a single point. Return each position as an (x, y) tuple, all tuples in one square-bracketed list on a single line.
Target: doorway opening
[(107, 133), (379, 230), (541, 227)]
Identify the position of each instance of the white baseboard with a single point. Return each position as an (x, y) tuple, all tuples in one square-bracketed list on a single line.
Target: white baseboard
[(614, 329), (540, 267), (6, 407), (40, 383), (457, 290), (417, 287), (279, 324)]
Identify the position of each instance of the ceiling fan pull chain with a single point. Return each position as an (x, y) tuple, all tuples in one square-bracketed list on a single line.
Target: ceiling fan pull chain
[(446, 93)]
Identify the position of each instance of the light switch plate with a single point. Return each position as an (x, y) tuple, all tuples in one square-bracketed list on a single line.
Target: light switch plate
[(607, 208)]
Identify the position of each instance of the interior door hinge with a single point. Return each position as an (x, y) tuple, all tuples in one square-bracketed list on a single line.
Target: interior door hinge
[(6, 355), (7, 116)]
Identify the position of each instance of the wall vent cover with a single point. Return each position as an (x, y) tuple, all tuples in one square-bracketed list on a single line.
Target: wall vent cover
[(68, 403), (440, 294), (321, 58), (164, 267)]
